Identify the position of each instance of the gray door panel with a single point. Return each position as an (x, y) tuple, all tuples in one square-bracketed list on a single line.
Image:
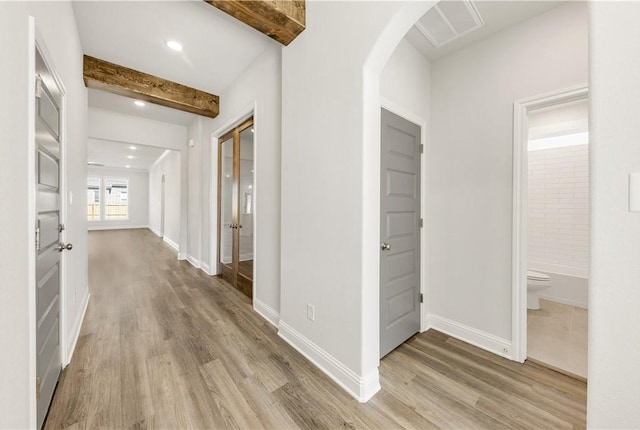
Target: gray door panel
[(48, 273), (400, 229)]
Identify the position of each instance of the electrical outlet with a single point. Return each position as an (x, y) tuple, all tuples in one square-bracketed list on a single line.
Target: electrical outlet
[(311, 312)]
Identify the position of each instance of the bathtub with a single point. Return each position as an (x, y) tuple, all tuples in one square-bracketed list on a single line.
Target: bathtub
[(569, 285)]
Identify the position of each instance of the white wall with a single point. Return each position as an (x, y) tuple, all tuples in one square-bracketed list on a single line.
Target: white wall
[(55, 22), (120, 127), (195, 162), (169, 165), (614, 295), (257, 86), (558, 196), (138, 198), (473, 91)]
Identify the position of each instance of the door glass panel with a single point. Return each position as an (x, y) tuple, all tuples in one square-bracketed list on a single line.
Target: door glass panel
[(246, 203), (226, 202)]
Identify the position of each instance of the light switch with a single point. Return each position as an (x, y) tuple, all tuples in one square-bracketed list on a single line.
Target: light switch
[(634, 192)]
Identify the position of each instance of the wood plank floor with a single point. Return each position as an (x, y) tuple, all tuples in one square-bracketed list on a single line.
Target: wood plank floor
[(165, 346)]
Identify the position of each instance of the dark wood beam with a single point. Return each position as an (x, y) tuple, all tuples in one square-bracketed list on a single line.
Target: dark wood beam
[(282, 20), (127, 82)]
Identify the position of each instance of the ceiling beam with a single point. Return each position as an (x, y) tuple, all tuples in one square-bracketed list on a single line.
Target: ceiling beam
[(282, 20), (127, 82)]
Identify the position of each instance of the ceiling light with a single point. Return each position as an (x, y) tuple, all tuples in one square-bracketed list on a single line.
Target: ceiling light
[(129, 157), (139, 103), (252, 130), (133, 147), (127, 166), (176, 46)]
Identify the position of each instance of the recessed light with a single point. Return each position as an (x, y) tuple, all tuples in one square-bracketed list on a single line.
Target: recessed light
[(139, 103), (176, 46), (252, 130), (127, 166), (133, 147), (129, 157), (227, 176)]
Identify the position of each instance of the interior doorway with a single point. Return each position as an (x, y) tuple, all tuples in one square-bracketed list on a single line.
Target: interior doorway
[(236, 207), (400, 223), (551, 229)]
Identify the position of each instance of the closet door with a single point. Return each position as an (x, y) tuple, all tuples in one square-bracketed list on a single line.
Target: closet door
[(236, 207)]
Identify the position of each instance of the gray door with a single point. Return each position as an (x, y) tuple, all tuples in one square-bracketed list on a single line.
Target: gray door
[(48, 230), (399, 231)]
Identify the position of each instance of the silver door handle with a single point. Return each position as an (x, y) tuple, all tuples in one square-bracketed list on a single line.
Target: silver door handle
[(385, 246), (61, 247)]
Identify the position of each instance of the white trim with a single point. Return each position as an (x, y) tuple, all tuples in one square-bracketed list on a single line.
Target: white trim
[(116, 227), (154, 231), (576, 272), (473, 336), (194, 261), (424, 207), (31, 225), (564, 301), (171, 243), (520, 195), (75, 333), (267, 312), (362, 388), (205, 268)]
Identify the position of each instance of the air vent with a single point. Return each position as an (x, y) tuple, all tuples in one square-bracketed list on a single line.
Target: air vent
[(449, 20)]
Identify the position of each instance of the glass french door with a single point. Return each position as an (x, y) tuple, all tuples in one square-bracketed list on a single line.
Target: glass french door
[(236, 207)]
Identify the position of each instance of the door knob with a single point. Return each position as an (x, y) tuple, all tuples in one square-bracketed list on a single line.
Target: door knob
[(385, 246), (61, 247)]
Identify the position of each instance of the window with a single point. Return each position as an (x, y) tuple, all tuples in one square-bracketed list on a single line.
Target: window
[(107, 199), (115, 198), (93, 199)]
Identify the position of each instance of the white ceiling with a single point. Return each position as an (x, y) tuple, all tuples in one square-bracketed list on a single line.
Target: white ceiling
[(108, 101), (497, 16), (217, 47), (116, 154)]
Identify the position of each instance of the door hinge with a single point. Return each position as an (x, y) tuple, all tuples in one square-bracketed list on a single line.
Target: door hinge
[(421, 298), (37, 238), (421, 223), (37, 388), (421, 148)]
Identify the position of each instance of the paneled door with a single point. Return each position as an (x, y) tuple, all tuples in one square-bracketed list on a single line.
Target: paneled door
[(49, 228), (236, 207), (399, 231)]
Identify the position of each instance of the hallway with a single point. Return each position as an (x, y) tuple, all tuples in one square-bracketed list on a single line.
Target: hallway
[(165, 346)]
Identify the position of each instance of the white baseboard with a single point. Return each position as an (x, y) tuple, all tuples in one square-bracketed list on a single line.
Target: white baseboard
[(267, 312), (194, 261), (479, 338), (114, 227), (154, 231), (75, 333), (246, 257), (564, 301), (182, 255), (362, 388), (171, 243), (205, 268)]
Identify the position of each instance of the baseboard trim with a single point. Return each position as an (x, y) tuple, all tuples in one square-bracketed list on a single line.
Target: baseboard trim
[(171, 243), (267, 312), (194, 261), (115, 227), (76, 329), (479, 338), (154, 231), (205, 268), (564, 301), (362, 388)]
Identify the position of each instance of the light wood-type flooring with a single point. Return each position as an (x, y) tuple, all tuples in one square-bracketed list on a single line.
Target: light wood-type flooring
[(165, 346)]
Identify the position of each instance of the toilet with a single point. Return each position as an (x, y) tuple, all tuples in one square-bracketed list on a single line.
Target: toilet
[(536, 282)]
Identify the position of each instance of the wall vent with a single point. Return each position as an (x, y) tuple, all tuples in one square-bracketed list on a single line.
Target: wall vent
[(449, 20)]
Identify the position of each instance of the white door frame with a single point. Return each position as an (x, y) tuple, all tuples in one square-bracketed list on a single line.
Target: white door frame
[(521, 108), (424, 213)]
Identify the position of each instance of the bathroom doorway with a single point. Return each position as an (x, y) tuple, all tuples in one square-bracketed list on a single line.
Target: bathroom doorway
[(551, 229)]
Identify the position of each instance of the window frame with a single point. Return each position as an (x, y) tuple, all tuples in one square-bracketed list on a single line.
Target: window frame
[(102, 193)]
